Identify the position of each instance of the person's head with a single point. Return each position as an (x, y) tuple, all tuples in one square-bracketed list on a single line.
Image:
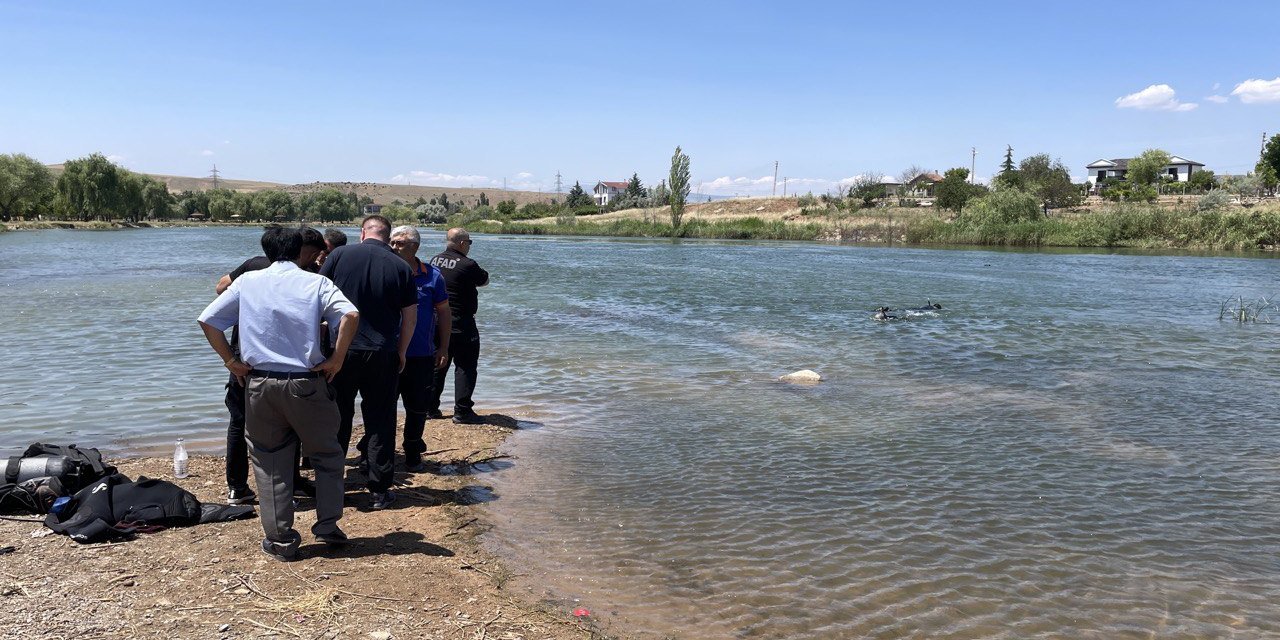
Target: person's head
[(405, 240), (376, 227), (313, 247), (268, 247), (459, 240), (333, 238), (283, 244)]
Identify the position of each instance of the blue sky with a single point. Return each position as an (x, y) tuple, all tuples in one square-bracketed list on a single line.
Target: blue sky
[(462, 94)]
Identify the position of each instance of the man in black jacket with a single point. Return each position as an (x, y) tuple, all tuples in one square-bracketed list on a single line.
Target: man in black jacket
[(461, 276)]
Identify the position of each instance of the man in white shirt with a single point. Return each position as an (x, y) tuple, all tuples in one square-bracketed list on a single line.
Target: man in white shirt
[(288, 396)]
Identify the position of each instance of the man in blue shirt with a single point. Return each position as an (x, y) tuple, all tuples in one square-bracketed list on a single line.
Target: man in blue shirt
[(286, 377), (423, 356), (380, 284)]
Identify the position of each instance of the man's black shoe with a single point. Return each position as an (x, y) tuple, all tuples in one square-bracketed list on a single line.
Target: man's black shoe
[(468, 417), (434, 414), (381, 500), (303, 488), (241, 496), (336, 538), (415, 467), (277, 553)]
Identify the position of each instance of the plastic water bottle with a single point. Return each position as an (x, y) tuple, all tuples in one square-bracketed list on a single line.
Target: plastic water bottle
[(179, 460)]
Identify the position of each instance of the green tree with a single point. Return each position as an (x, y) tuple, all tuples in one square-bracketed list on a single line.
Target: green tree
[(330, 205), (507, 208), (1008, 176), (867, 188), (1049, 180), (483, 200), (954, 190), (157, 202), (1202, 180), (91, 187), (1271, 153), (678, 186), (1266, 175), (26, 187), (635, 190), (271, 203), (1146, 169), (222, 204), (578, 197), (659, 196)]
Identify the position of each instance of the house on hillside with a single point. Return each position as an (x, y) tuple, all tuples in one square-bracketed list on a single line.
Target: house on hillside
[(606, 191), (371, 209), (1179, 169), (922, 185)]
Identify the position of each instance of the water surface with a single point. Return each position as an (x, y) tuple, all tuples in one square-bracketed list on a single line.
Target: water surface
[(1074, 446)]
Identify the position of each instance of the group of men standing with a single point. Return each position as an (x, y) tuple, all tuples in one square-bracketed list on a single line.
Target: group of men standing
[(319, 322)]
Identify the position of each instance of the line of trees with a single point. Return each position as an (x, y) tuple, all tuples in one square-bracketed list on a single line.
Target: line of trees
[(94, 188)]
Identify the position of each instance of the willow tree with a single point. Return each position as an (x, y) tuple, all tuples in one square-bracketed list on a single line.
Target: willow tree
[(678, 187)]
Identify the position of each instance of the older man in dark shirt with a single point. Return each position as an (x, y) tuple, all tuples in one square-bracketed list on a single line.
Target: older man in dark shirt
[(381, 286)]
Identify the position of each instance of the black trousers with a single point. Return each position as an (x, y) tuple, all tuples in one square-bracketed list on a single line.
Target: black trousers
[(375, 376), (464, 353), (237, 446), (416, 383)]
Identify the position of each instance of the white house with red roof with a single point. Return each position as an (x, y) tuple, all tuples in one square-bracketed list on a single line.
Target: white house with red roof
[(606, 191)]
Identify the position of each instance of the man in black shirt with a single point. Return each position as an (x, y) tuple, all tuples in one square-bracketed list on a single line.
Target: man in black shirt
[(381, 286), (461, 276)]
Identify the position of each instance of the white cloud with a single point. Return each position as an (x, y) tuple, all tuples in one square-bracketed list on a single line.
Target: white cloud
[(116, 158), (206, 152), (1216, 99), (1217, 85), (1157, 97), (1251, 91), (524, 175)]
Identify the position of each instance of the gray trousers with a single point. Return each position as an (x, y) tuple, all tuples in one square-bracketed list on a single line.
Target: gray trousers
[(280, 414)]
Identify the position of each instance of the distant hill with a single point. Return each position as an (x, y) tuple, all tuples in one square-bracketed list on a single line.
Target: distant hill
[(379, 192)]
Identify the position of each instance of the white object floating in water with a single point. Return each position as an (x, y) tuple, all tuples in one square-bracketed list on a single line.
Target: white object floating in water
[(803, 375)]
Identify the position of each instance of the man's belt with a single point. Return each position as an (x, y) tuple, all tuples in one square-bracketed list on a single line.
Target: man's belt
[(285, 375)]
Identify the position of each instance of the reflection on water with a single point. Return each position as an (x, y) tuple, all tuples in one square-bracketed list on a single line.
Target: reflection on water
[(1073, 446)]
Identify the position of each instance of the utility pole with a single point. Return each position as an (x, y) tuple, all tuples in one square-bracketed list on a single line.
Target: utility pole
[(504, 183), (784, 186), (557, 181), (775, 177), (214, 175), (973, 163)]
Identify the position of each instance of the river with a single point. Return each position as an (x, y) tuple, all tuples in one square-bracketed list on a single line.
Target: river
[(1075, 445)]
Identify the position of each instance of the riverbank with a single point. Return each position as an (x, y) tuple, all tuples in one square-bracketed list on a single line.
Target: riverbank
[(1154, 226), (415, 570)]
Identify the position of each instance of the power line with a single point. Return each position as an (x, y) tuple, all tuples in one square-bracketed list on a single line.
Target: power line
[(775, 177), (214, 174), (557, 181)]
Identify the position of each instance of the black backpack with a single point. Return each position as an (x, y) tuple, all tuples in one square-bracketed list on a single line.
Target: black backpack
[(74, 467), (116, 507)]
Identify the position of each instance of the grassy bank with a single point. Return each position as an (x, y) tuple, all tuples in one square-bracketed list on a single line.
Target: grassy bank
[(1121, 225)]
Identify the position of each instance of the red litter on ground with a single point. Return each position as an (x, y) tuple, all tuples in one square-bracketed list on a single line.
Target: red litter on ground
[(581, 613)]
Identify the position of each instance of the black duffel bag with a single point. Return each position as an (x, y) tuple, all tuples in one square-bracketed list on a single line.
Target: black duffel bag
[(74, 467)]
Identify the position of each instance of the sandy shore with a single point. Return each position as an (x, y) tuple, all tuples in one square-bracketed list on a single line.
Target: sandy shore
[(413, 571)]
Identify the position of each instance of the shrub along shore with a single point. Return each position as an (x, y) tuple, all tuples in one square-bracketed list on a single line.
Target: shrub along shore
[(1146, 226)]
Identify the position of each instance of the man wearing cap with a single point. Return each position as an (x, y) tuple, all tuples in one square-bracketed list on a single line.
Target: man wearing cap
[(286, 378)]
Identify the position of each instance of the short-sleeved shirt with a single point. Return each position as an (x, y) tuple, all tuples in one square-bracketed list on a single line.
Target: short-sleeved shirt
[(431, 291), (256, 263), (461, 275), (279, 310), (380, 284)]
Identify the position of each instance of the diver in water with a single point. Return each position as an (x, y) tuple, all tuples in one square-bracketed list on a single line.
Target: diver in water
[(882, 314), (929, 306)]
